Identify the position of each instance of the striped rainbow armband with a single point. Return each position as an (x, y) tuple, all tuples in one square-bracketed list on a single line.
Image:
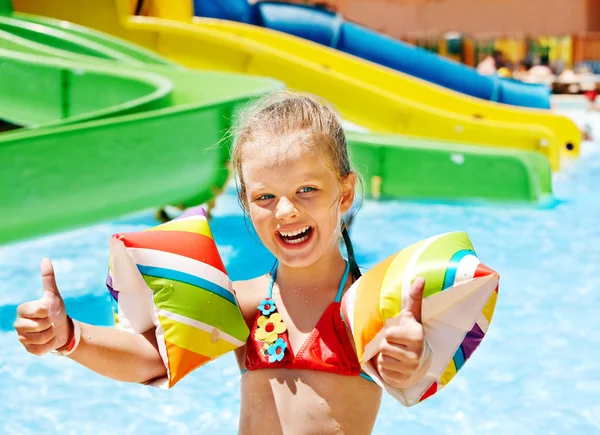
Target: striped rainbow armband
[(458, 303), (171, 277)]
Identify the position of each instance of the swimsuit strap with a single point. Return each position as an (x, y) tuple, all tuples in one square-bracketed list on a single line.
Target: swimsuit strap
[(338, 296), (273, 275)]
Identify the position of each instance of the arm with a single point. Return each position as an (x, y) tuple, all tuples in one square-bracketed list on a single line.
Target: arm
[(43, 325), (119, 355)]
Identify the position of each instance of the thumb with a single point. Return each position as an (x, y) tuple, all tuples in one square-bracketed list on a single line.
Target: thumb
[(415, 298), (48, 278)]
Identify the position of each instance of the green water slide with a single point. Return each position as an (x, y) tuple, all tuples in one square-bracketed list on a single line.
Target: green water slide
[(393, 166), (158, 146), (401, 167), (78, 39), (23, 82)]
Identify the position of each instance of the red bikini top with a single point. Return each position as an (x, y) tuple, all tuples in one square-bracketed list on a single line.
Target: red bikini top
[(326, 349)]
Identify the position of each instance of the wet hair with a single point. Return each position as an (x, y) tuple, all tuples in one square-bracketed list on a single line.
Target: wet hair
[(304, 119)]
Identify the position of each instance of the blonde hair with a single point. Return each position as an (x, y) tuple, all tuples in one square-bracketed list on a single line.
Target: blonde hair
[(305, 119)]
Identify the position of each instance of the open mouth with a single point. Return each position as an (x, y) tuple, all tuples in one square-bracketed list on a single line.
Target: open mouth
[(295, 237)]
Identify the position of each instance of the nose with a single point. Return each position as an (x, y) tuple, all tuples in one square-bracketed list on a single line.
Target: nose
[(285, 209)]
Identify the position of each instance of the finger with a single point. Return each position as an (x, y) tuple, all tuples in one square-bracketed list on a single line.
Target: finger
[(33, 310), (25, 325), (43, 337), (393, 377), (40, 349), (399, 354), (48, 278), (407, 334), (415, 298), (394, 365)]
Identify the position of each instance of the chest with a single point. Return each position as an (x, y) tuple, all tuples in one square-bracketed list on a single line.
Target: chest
[(303, 318)]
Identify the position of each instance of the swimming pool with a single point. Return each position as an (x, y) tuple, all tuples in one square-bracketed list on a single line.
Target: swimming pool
[(536, 373)]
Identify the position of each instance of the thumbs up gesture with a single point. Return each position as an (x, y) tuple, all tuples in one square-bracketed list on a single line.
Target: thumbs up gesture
[(401, 351), (43, 325)]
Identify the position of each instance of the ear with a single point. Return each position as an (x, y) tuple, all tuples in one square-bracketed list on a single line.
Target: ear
[(348, 189)]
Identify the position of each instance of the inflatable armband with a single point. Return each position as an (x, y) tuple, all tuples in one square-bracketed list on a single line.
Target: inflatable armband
[(171, 277), (458, 303)]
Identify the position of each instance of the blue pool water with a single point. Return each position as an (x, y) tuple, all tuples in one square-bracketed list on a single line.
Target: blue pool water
[(537, 372)]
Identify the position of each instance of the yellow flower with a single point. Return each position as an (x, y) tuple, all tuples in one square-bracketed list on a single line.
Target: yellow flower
[(269, 328)]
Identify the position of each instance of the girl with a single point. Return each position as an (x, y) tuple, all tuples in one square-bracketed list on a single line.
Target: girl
[(295, 183)]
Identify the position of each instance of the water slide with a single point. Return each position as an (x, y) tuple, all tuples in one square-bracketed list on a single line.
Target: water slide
[(490, 116), (396, 103), (22, 83), (447, 171), (328, 28), (94, 137)]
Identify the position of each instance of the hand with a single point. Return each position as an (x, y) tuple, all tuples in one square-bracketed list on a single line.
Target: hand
[(401, 351), (43, 325)]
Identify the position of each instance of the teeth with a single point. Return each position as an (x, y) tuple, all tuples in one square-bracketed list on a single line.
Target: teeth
[(296, 241), (294, 233)]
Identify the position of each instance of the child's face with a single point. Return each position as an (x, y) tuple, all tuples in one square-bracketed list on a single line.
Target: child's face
[(295, 201)]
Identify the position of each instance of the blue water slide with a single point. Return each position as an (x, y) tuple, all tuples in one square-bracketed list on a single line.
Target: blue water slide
[(327, 28)]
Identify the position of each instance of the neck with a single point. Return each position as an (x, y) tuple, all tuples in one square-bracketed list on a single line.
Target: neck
[(324, 274)]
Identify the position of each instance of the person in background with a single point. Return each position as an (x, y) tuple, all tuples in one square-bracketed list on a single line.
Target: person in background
[(542, 69), (492, 63)]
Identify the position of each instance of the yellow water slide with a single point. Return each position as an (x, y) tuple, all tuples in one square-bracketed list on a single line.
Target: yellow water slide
[(366, 94), (402, 85)]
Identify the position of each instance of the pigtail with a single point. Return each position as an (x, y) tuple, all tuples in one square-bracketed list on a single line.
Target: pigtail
[(354, 270)]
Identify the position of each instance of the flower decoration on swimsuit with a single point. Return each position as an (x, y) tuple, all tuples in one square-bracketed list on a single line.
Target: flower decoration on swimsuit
[(267, 306), (269, 328), (277, 350), (265, 348)]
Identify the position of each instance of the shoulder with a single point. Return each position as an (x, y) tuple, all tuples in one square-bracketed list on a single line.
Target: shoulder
[(251, 287), (249, 293)]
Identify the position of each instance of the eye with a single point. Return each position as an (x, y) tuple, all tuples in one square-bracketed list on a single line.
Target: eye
[(265, 197), (306, 189)]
